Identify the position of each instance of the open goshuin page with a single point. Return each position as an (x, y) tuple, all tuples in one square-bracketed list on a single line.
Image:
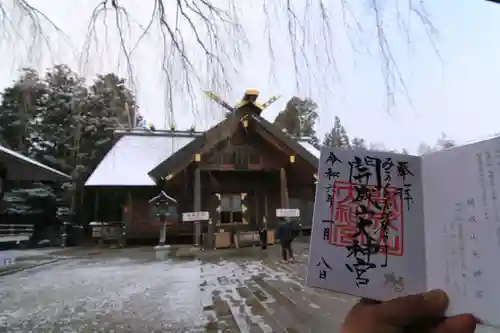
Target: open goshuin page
[(368, 230), (387, 225), (462, 227)]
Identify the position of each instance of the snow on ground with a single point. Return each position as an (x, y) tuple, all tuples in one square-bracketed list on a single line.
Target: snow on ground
[(119, 294), (26, 253), (98, 295), (116, 294)]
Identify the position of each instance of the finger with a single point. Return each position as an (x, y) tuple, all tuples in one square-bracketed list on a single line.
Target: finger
[(363, 303), (368, 301), (427, 325), (458, 324), (412, 309)]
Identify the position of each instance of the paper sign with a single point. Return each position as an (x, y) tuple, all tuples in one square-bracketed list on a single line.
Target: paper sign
[(285, 212), (195, 216)]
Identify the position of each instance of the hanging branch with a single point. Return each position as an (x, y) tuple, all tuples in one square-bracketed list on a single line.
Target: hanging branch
[(219, 38)]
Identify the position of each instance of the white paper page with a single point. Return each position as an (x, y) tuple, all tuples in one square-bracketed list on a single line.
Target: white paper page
[(462, 227), (331, 266)]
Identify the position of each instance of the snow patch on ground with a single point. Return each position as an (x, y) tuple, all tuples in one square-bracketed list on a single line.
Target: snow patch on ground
[(155, 295)]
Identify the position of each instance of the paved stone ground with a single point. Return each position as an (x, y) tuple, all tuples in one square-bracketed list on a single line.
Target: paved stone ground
[(23, 259), (130, 291)]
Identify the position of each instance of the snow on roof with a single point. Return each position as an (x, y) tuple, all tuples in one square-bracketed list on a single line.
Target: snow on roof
[(310, 148), (133, 156), (20, 167)]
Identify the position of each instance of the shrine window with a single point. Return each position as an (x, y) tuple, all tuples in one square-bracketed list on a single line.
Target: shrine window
[(228, 158), (230, 208)]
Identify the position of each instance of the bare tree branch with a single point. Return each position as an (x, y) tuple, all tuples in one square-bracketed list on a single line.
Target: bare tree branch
[(213, 30), (39, 26)]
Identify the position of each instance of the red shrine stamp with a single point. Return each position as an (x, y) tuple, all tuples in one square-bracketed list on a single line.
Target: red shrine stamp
[(344, 220)]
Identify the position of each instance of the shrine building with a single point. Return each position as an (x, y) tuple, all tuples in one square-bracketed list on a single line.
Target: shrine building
[(240, 171)]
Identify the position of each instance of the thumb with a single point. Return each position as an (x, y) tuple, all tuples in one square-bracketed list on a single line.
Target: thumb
[(411, 309)]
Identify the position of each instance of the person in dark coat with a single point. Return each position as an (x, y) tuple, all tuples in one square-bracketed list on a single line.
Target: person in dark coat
[(263, 234), (285, 235)]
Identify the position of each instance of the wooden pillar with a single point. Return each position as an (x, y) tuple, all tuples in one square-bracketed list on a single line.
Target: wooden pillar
[(283, 188), (266, 206), (129, 217), (129, 206), (96, 204), (258, 218), (210, 241), (197, 205)]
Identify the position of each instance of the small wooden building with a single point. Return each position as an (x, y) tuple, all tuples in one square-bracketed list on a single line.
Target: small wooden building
[(240, 171), (17, 167)]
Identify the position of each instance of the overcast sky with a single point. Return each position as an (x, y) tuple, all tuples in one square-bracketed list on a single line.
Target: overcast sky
[(455, 92)]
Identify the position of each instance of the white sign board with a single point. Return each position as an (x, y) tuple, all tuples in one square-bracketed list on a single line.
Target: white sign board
[(195, 216), (6, 261), (287, 212)]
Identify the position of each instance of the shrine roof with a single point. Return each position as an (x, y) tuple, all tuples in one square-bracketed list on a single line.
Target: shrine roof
[(300, 145), (20, 167), (222, 130), (135, 153), (305, 142)]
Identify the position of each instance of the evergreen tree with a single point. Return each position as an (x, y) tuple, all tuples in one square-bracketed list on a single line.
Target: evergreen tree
[(66, 125), (444, 142), (358, 143), (337, 137), (424, 148), (110, 94), (299, 118), (59, 118), (18, 110)]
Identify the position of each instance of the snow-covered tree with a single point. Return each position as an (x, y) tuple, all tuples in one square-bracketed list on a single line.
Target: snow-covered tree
[(70, 126), (444, 142), (110, 94), (18, 109), (358, 143), (299, 117)]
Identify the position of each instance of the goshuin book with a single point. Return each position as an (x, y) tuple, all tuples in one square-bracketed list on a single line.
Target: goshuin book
[(387, 225)]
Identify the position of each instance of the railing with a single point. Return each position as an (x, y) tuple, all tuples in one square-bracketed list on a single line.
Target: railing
[(15, 232)]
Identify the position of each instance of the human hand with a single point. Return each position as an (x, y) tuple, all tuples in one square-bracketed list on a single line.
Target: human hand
[(415, 313)]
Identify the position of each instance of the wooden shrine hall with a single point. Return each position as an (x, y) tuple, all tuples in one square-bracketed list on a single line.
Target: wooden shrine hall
[(240, 171)]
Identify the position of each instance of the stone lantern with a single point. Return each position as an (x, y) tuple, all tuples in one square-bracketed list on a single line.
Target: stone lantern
[(160, 206)]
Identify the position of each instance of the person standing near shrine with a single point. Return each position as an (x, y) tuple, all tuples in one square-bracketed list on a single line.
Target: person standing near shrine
[(263, 234), (285, 235)]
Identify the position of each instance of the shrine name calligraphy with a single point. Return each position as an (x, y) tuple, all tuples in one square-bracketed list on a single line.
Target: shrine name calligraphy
[(366, 212)]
